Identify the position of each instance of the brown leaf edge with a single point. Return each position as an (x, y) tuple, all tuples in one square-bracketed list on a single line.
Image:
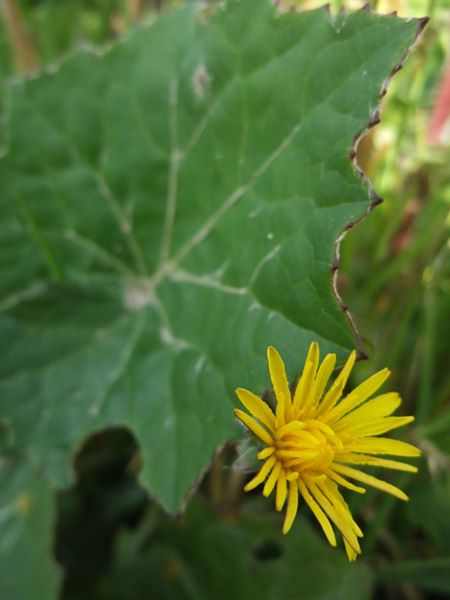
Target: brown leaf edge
[(284, 6), (375, 198)]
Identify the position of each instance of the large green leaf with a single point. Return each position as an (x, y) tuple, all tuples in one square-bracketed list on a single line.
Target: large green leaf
[(27, 508), (168, 209)]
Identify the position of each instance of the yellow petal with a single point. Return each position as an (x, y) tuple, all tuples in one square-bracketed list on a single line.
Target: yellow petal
[(272, 480), (311, 440), (293, 462), (253, 426), (318, 513), (343, 524), (313, 356), (359, 395), (265, 453), (363, 459), (378, 426), (321, 426), (381, 406), (380, 445), (331, 491), (370, 480), (290, 453), (292, 507), (323, 375), (257, 407), (281, 493), (343, 482), (289, 428), (335, 391), (261, 475), (280, 383), (303, 387), (303, 454), (351, 554)]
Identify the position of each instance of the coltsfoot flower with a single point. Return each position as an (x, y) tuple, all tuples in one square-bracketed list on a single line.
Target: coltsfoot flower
[(316, 436)]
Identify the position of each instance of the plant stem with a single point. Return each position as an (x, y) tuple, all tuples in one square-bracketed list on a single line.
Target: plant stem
[(216, 483), (22, 44)]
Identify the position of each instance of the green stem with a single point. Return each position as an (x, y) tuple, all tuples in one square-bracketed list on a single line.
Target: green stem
[(216, 481), (425, 401)]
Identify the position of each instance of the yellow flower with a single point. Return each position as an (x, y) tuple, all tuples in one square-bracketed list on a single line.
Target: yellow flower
[(314, 436)]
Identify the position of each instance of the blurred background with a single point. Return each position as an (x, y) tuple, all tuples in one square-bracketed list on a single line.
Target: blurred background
[(113, 543)]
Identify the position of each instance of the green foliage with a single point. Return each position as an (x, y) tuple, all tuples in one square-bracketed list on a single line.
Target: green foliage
[(167, 226), (397, 262), (429, 574), (115, 313), (59, 26), (27, 513), (429, 509), (204, 556)]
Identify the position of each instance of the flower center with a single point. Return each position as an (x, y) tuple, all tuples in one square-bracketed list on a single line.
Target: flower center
[(308, 445)]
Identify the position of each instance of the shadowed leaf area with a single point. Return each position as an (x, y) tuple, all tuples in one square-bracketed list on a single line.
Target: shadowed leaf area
[(114, 545), (204, 556)]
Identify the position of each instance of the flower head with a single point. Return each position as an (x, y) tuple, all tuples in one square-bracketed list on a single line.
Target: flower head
[(316, 437)]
